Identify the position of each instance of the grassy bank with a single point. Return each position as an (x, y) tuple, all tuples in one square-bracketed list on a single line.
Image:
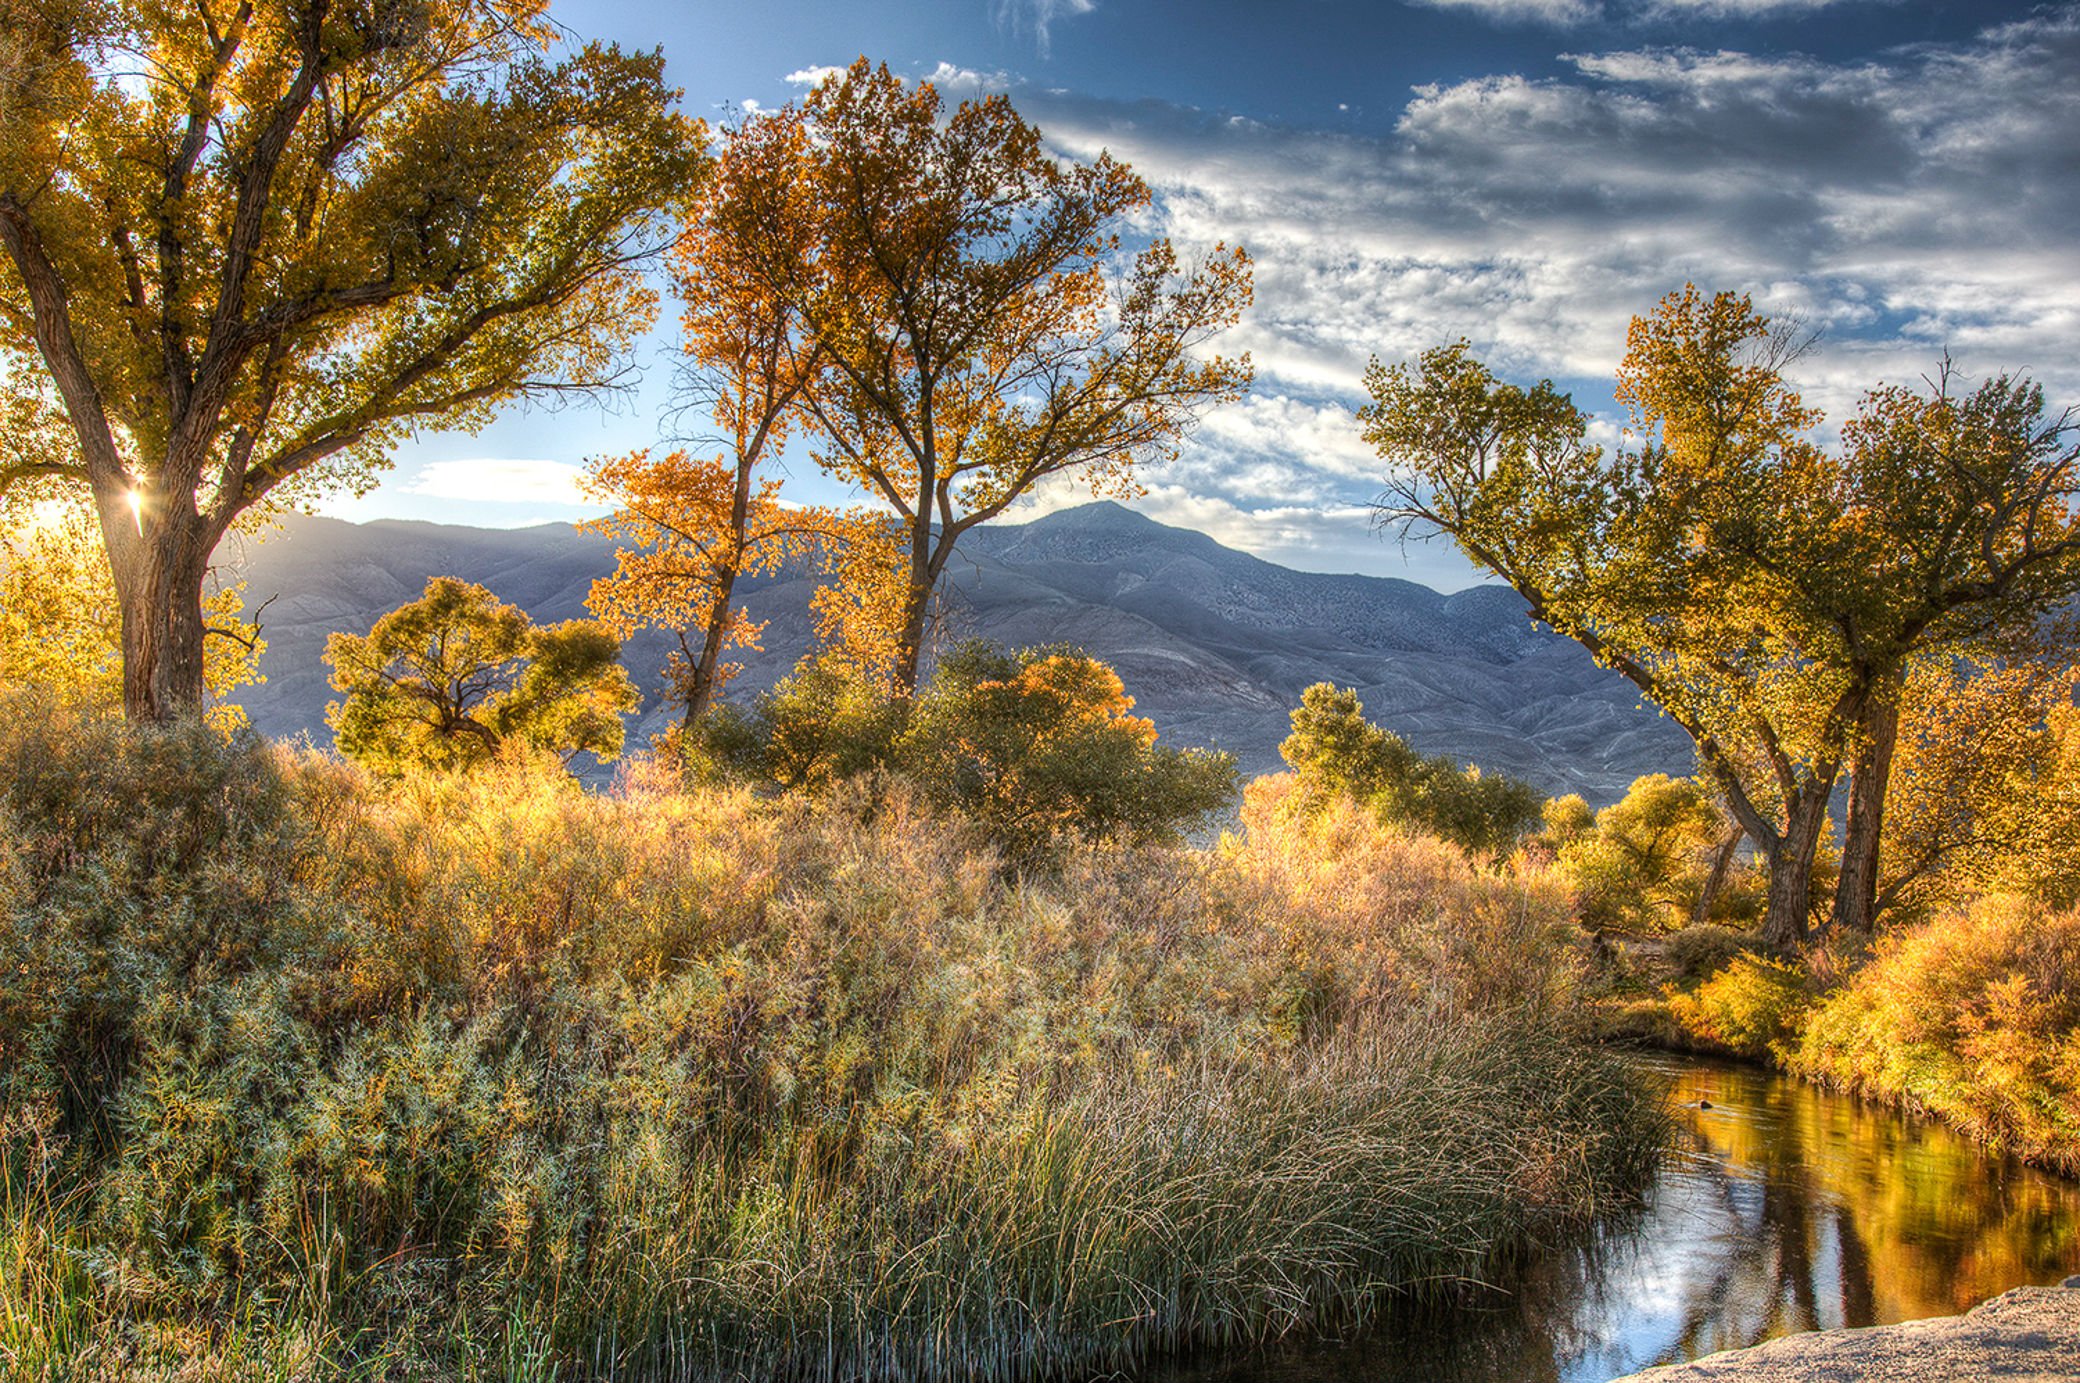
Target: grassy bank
[(1972, 1017), (307, 1076)]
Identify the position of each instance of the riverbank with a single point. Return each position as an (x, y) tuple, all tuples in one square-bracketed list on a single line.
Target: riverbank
[(1972, 1019), (2028, 1335), (462, 1078)]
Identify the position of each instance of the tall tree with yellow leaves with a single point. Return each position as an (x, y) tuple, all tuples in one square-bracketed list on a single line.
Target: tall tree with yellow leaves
[(692, 525), (252, 243), (1767, 594), (979, 331)]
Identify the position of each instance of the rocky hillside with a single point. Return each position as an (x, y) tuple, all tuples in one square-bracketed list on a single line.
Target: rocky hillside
[(1215, 645)]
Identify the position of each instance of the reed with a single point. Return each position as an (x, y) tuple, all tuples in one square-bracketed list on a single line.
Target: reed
[(486, 1077)]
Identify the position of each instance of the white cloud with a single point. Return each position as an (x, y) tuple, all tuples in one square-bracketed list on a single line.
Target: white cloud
[(1039, 16), (1923, 201), (812, 76), (502, 480), (1518, 11)]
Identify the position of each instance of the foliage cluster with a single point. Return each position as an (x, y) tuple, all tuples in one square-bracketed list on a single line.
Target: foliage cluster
[(1336, 752), (480, 1075), (1753, 1007), (1974, 1018), (453, 678), (1660, 858), (1034, 747)]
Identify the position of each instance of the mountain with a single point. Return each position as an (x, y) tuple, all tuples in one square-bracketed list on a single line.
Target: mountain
[(1215, 645)]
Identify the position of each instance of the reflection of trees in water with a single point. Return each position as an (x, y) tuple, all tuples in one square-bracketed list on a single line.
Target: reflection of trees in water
[(1865, 1217), (1782, 1208)]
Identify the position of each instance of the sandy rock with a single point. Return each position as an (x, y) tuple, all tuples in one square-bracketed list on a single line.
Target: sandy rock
[(2029, 1335)]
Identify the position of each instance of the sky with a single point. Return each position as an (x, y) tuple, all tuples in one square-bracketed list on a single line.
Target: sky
[(1902, 178)]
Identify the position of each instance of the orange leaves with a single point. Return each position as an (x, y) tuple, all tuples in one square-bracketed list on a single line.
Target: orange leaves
[(965, 330)]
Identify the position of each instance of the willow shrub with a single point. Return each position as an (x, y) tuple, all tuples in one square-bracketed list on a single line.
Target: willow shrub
[(485, 1076), (1973, 1017)]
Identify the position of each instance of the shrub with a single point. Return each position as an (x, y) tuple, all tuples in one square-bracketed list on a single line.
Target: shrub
[(1650, 858), (419, 1077), (1973, 1017), (1039, 745), (1752, 1008), (1336, 753)]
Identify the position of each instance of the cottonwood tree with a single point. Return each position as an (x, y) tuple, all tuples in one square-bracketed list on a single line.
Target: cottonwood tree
[(1597, 546), (251, 243), (60, 629), (979, 329), (1764, 593), (450, 679), (1957, 534), (692, 524)]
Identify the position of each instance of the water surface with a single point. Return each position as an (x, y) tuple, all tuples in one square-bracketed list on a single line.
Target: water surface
[(1779, 1208)]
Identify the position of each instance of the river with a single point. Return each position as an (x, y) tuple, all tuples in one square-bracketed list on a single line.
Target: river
[(1779, 1208)]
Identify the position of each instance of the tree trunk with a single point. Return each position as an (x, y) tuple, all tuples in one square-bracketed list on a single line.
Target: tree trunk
[(700, 682), (917, 606), (1722, 865), (1870, 773), (158, 577), (1784, 921)]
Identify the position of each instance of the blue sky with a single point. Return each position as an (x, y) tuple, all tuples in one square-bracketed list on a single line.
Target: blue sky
[(1525, 173)]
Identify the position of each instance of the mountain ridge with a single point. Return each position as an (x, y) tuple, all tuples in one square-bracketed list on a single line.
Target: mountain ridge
[(1215, 644)]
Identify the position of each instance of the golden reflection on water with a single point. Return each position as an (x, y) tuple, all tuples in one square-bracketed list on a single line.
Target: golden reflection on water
[(1858, 1216), (1780, 1208)]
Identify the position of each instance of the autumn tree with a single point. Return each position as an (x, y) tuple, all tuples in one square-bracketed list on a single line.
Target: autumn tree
[(1334, 750), (1600, 554), (252, 243), (1041, 745), (1985, 789), (982, 328), (451, 678), (1957, 534), (1764, 593), (59, 626), (692, 525)]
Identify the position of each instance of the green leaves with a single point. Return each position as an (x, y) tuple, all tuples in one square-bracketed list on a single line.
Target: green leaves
[(450, 679)]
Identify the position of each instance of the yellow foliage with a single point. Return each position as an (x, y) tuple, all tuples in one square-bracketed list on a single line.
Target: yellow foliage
[(1973, 1016), (61, 626)]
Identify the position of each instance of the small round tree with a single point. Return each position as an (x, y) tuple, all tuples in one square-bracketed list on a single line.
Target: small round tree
[(453, 677)]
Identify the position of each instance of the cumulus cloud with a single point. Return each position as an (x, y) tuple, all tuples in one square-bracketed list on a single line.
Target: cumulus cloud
[(812, 76), (1922, 201), (501, 480)]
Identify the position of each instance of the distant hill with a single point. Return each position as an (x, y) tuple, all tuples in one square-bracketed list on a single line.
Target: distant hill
[(1215, 645)]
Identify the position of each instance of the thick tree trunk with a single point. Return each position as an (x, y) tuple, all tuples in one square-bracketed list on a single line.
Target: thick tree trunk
[(158, 577), (1870, 773), (1784, 919)]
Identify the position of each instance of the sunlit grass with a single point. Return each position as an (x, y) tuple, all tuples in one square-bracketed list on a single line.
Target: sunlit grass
[(488, 1077)]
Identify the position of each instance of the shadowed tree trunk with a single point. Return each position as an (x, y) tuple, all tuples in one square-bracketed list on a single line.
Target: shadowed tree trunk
[(1870, 773)]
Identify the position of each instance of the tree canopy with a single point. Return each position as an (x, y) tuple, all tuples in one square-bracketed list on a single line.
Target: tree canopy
[(979, 325), (450, 679), (1334, 750), (250, 244), (1765, 593)]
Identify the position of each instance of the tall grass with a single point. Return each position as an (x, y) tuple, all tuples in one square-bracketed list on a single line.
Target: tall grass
[(485, 1077)]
